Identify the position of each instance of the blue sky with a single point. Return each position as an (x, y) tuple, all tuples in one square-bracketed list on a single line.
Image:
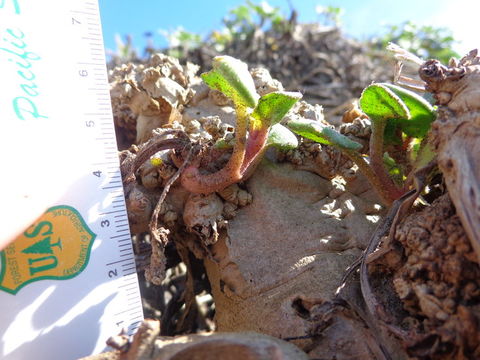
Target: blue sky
[(361, 19)]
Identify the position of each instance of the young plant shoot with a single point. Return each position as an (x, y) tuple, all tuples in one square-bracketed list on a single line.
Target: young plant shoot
[(255, 118), (400, 113)]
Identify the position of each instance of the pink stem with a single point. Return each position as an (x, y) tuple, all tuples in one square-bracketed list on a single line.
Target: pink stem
[(256, 142), (199, 183)]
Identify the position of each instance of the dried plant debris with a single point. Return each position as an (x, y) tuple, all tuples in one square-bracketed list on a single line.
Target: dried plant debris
[(436, 275), (456, 134), (201, 214), (154, 93)]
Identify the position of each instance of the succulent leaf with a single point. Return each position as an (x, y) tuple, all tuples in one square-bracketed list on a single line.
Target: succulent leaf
[(317, 132), (231, 77), (382, 104), (282, 138), (422, 114), (272, 107)]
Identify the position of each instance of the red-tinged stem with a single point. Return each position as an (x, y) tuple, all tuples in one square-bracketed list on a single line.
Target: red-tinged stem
[(255, 144), (376, 160), (365, 168), (198, 183)]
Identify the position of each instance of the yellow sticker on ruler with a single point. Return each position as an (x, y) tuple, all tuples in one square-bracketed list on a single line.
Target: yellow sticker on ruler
[(56, 246)]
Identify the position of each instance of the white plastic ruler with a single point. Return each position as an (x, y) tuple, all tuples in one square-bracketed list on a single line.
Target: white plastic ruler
[(69, 280)]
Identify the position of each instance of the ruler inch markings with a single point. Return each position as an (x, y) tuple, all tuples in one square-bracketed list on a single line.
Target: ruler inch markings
[(123, 285), (109, 212), (120, 240), (81, 12), (122, 230), (84, 53), (116, 262), (111, 187), (131, 263)]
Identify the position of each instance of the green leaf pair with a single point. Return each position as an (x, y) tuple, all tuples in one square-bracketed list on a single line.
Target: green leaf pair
[(272, 107), (232, 78), (399, 108)]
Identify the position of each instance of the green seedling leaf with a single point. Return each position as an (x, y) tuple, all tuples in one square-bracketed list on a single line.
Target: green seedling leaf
[(272, 107), (231, 77), (282, 138), (340, 140), (309, 129), (422, 114), (317, 132), (382, 104)]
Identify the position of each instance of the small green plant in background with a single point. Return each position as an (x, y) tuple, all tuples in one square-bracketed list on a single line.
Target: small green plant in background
[(404, 117), (242, 22), (257, 125), (125, 49), (428, 42), (329, 15), (181, 41)]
